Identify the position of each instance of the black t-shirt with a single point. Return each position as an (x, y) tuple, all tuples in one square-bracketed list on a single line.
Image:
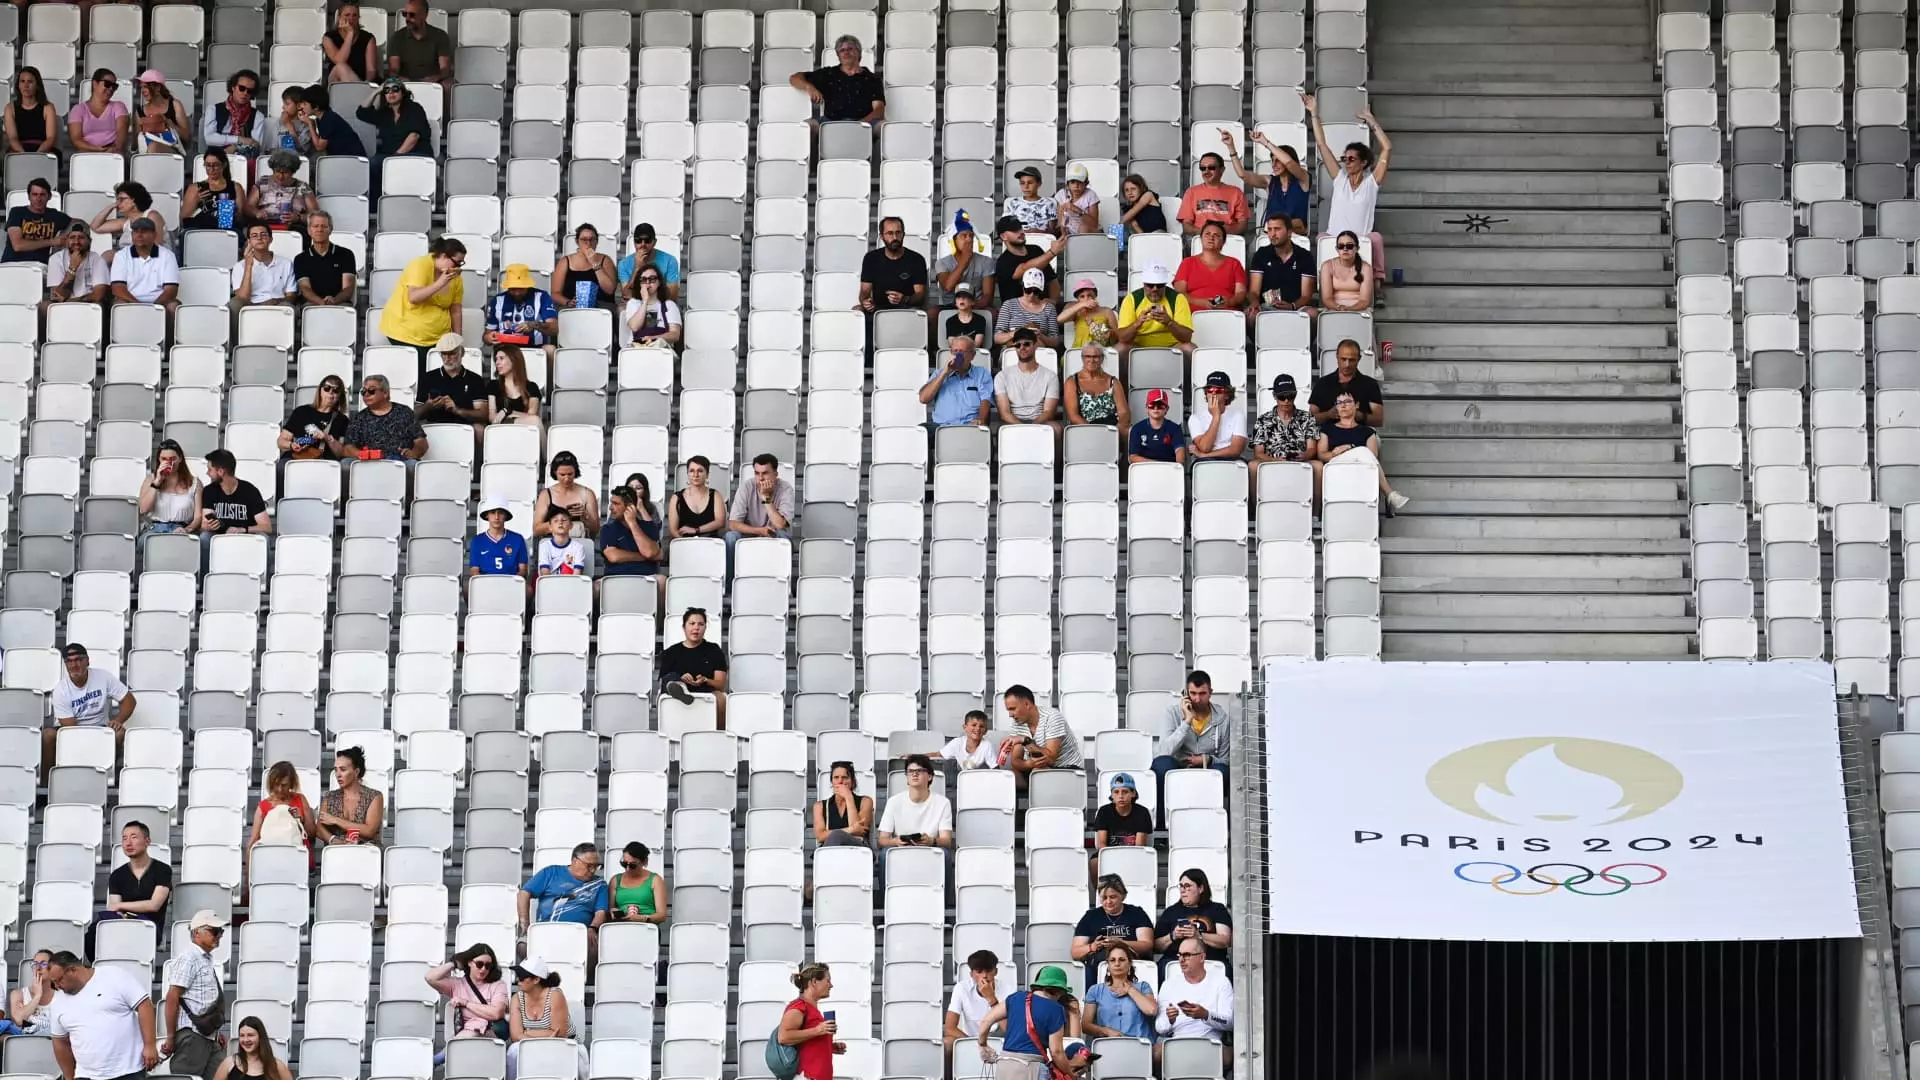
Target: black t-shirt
[(235, 511), (45, 225), (1211, 916), (1006, 272), (893, 275), (1096, 924), (978, 326), (847, 97), (702, 659), (340, 135), (324, 272), (1121, 830), (465, 388), (307, 417), (123, 884), (1277, 273), (1338, 436), (1364, 388)]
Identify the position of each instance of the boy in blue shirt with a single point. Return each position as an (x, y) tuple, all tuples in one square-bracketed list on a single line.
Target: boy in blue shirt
[(1157, 438), (497, 551)]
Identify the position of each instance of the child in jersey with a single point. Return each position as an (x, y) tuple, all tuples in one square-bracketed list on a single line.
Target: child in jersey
[(561, 552)]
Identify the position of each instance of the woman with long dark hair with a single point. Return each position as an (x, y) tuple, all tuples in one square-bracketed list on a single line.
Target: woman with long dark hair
[(636, 894), (252, 1054), (170, 499), (1344, 282), (1356, 174), (583, 506), (32, 125), (845, 817), (476, 994), (352, 813)]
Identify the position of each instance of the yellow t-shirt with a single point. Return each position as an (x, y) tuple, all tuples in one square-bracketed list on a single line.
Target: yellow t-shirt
[(1152, 333), (420, 324)]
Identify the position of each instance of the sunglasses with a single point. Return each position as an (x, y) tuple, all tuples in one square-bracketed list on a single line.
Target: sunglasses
[(246, 88), (1350, 158), (481, 963), (369, 391), (1209, 168), (1346, 247), (1156, 404), (629, 864), (649, 280)]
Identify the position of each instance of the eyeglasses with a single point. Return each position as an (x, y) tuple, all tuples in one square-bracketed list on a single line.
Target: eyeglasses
[(629, 864), (1346, 247), (245, 88), (1025, 344), (918, 771), (1191, 955), (650, 279), (1350, 158), (1156, 404), (1209, 168), (369, 391), (588, 238)]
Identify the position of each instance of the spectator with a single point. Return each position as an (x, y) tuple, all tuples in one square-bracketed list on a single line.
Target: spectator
[(1079, 204), (845, 817), (1345, 284), (1092, 396), (1195, 916), (131, 205), (583, 277), (311, 431), (325, 130), (163, 117), (803, 1026), (1027, 393), (76, 271), (637, 894), (195, 1010), (30, 1002), (651, 320), (1198, 735), (35, 230), (494, 549), (695, 666), (1142, 212), (697, 509), (921, 817), (252, 1054), (236, 122), (170, 499), (350, 53), (1078, 1056), (1284, 434), (1036, 1025), (1093, 322), (1280, 275), (970, 749), (383, 428), (260, 277), (1157, 438), (32, 127), (1113, 923), (539, 1010), (103, 1026), (283, 815), (1017, 258), (213, 203), (1347, 432), (966, 322), (1212, 280), (1035, 213), (419, 51), (1356, 176), (761, 508), (352, 813), (1122, 822), (1287, 186), (974, 995), (1220, 432), (574, 893), (279, 198), (99, 124), (646, 250), (1346, 377), (427, 302), (964, 264), (476, 994), (844, 91), (1154, 318), (581, 504), (561, 552), (137, 888), (515, 397), (1029, 312), (1212, 200), (522, 313), (960, 393), (400, 125), (229, 504), (1120, 1005), (1198, 1002), (893, 275), (325, 271), (628, 547), (1046, 742)]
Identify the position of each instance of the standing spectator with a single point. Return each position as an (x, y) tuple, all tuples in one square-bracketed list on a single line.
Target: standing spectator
[(163, 117), (261, 277), (628, 547), (1195, 916), (252, 1054), (99, 124), (1036, 1026), (1093, 322), (1212, 280), (697, 509), (30, 1002), (310, 430), (1017, 258), (383, 427), (137, 888), (893, 275), (845, 817), (1113, 923), (1092, 396), (76, 271), (102, 1024), (32, 127), (646, 250), (584, 278), (427, 302), (1035, 213), (131, 204), (196, 1005), (279, 198), (522, 313), (844, 91), (761, 508), (1157, 438), (695, 666), (963, 265), (229, 504), (1141, 211), (325, 130), (36, 229), (1122, 822), (959, 393), (1122, 1005), (804, 1027), (561, 552), (452, 393), (1218, 429), (1356, 176), (1197, 736), (921, 817), (1044, 741), (1283, 434), (283, 815), (235, 122), (349, 51), (495, 550), (1347, 432), (1345, 284), (213, 203), (965, 322), (400, 125), (352, 813), (974, 996), (1154, 317), (1079, 204), (574, 893), (170, 499), (1030, 313), (637, 894), (651, 320), (476, 994), (970, 749), (1287, 186), (419, 51), (1279, 275), (566, 490), (1027, 393), (539, 1009), (515, 396), (1198, 1003), (1212, 200), (325, 271), (1347, 378)]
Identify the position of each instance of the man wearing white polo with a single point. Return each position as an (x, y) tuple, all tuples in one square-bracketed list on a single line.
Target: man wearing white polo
[(102, 1022)]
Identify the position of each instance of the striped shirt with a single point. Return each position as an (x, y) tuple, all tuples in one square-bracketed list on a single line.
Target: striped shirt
[(194, 973), (1053, 725)]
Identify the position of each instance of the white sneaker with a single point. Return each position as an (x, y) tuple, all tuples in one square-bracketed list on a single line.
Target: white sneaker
[(1397, 500)]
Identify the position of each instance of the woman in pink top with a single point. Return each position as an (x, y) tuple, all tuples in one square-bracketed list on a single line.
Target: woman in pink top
[(99, 124), (476, 994)]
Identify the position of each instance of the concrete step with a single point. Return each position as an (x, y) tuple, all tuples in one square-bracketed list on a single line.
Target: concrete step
[(1533, 353), (1543, 111), (1413, 225), (1534, 565), (1563, 31), (1459, 182), (1530, 162), (1506, 378), (1402, 125), (1481, 625), (1469, 85), (1422, 527), (1410, 309), (1557, 452), (1567, 606), (1400, 328), (1534, 297), (1539, 430), (1573, 644), (1475, 195), (1492, 257), (1545, 507), (1524, 144), (1457, 585), (1588, 489), (1501, 411), (1480, 274), (1617, 18), (1533, 545), (1515, 64), (1611, 391)]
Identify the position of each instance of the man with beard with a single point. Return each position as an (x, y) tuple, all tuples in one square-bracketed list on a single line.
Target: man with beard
[(893, 275)]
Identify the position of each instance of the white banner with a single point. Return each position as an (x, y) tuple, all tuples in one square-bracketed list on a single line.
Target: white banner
[(1557, 802)]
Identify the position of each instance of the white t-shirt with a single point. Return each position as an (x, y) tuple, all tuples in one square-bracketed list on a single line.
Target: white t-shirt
[(571, 559), (666, 314), (1352, 208), (1027, 391), (271, 280), (968, 1004), (986, 757), (902, 816), (1233, 422), (88, 704), (101, 1024), (93, 271)]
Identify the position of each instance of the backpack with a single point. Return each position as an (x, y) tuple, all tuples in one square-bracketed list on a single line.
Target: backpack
[(282, 826)]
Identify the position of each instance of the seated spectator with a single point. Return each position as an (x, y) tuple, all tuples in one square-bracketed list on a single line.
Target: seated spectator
[(1284, 434), (1093, 322), (522, 313), (195, 1003), (1079, 204), (964, 264), (163, 119), (966, 322), (1356, 176), (229, 504), (1195, 916), (581, 504), (98, 125), (805, 1028), (383, 428), (494, 549), (763, 507), (1092, 396), (651, 320), (131, 205), (1345, 284), (236, 122), (283, 815), (847, 90), (1212, 200), (252, 1055), (645, 510), (573, 893), (1121, 1005), (646, 250), (515, 398), (32, 126), (561, 552), (959, 393), (213, 203), (1279, 275), (279, 198), (1122, 822), (170, 499), (453, 393), (1212, 280), (291, 100), (1027, 393), (311, 431), (1043, 739), (636, 894), (261, 277), (845, 817), (1141, 211), (1198, 1003), (76, 271), (30, 1002), (419, 51), (697, 509), (350, 53), (695, 666), (137, 888), (35, 231), (893, 275), (538, 1009), (1287, 185), (1153, 317), (1346, 377), (1218, 429), (1157, 438), (1035, 213), (1197, 736), (975, 994), (921, 817), (970, 749), (400, 125), (1113, 923), (1036, 1025), (629, 543), (1018, 258), (1347, 432), (583, 277), (80, 699), (428, 301), (325, 271), (476, 994), (323, 131), (1030, 313)]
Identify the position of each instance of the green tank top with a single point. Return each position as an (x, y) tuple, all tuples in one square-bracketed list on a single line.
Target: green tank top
[(640, 896)]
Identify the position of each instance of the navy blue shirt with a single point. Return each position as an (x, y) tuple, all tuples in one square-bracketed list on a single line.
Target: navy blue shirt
[(340, 135), (615, 534), (1290, 204), (1155, 445), (507, 555)]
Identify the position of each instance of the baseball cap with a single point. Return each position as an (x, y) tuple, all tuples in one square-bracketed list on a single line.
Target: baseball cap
[(206, 919), (1084, 285), (1033, 279), (1283, 386), (1125, 780), (152, 75), (1077, 1048), (962, 221), (78, 226), (1157, 397), (532, 966), (1027, 171), (964, 287), (1156, 274), (1217, 380), (450, 342), (142, 224), (1025, 333), (516, 276), (1008, 223), (643, 231), (1077, 171), (73, 649)]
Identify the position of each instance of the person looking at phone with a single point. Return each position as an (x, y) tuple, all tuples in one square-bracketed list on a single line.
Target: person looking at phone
[(921, 817), (229, 504), (959, 393), (1113, 922), (1195, 916), (1194, 1002), (1156, 317)]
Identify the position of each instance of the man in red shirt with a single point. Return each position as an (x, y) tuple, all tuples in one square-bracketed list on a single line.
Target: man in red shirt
[(1211, 200), (1212, 279)]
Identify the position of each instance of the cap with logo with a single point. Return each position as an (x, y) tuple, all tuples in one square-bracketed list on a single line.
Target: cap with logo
[(1156, 274), (964, 288), (1218, 380), (73, 650), (206, 919), (516, 276), (1157, 397), (1077, 171), (1125, 780), (1033, 279), (1027, 171), (1283, 386)]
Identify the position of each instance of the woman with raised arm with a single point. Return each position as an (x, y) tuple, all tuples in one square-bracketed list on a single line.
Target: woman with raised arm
[(1356, 177)]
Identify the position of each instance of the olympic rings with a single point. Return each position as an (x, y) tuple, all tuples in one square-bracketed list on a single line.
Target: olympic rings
[(1542, 874)]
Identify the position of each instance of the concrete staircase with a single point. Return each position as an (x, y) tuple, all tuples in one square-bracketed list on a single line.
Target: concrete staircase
[(1533, 398)]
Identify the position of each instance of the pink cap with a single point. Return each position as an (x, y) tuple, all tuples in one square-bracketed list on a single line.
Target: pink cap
[(152, 75), (1084, 284)]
